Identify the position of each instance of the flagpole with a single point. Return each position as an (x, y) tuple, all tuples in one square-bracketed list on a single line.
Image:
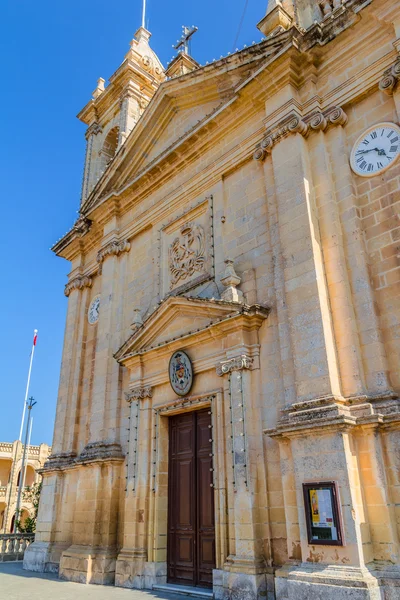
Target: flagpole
[(27, 383), (27, 454), (31, 404)]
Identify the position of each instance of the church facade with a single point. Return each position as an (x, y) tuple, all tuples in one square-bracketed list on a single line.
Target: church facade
[(228, 413)]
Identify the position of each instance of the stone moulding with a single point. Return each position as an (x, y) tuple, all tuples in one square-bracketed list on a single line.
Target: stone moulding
[(92, 453), (390, 79), (294, 123), (114, 248), (330, 412), (238, 363), (78, 283), (139, 393)]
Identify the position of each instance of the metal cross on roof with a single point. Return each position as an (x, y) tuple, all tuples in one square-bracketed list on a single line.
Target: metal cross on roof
[(183, 45)]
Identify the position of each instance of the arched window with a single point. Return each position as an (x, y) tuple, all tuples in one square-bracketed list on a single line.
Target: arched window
[(109, 148)]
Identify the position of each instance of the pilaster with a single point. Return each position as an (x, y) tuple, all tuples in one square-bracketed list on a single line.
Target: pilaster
[(246, 568), (309, 315)]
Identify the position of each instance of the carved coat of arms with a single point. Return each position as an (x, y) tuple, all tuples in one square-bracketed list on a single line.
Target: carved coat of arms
[(180, 373), (187, 253)]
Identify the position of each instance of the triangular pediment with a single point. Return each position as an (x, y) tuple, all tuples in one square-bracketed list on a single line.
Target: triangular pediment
[(181, 108), (175, 318)]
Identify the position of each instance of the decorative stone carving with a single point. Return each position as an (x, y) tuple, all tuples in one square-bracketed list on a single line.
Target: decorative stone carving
[(139, 393), (238, 363), (82, 226), (137, 319), (295, 124), (337, 116), (318, 122), (231, 280), (114, 248), (187, 253), (78, 283), (93, 129), (390, 78)]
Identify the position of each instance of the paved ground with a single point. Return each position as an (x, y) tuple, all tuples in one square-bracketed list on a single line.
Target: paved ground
[(17, 584)]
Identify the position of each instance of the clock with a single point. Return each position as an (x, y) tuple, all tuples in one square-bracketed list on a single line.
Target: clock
[(93, 312), (376, 150)]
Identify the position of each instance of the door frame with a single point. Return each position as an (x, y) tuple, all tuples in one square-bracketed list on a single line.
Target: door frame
[(158, 527)]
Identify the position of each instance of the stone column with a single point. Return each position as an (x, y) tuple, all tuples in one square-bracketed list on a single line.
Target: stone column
[(73, 292), (372, 349), (245, 571), (104, 420), (133, 570), (340, 295), (129, 113), (91, 132), (306, 295)]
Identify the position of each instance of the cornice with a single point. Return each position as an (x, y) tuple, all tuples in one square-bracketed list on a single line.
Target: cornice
[(337, 413), (78, 283)]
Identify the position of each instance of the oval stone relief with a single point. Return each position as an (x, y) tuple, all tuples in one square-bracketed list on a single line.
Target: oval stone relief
[(180, 373)]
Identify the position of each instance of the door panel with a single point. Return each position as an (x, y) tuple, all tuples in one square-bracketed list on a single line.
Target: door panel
[(191, 531)]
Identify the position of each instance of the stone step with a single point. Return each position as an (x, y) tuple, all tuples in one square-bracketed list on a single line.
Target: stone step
[(191, 592)]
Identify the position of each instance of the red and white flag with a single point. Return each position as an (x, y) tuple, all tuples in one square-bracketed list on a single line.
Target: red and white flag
[(35, 337)]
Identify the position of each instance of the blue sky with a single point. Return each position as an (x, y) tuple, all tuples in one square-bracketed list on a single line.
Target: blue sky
[(52, 53)]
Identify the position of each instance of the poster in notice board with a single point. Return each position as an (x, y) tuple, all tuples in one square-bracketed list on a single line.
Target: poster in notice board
[(321, 502)]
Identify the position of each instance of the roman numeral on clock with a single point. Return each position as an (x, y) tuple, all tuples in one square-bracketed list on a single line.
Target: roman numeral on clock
[(379, 165), (374, 135), (363, 165)]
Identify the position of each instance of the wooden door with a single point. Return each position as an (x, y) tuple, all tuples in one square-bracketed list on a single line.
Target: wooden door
[(191, 530)]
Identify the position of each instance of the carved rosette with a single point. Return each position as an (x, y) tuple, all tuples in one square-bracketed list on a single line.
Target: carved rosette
[(78, 283), (390, 78), (238, 363), (114, 248), (295, 124), (139, 393)]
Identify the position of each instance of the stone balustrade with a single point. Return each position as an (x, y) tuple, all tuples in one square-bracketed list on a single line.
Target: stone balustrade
[(3, 491), (13, 545)]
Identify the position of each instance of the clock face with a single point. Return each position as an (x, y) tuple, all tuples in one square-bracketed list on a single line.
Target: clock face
[(376, 150), (93, 312)]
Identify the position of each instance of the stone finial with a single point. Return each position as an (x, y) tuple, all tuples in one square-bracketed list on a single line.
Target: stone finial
[(100, 88), (137, 319), (231, 280)]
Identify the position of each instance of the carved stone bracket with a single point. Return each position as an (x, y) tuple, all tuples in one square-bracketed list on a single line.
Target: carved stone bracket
[(238, 363), (139, 393), (316, 121), (78, 283), (390, 78), (82, 226), (114, 248)]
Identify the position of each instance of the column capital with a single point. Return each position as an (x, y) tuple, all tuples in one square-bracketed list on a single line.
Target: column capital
[(139, 393), (294, 123), (114, 248), (93, 129), (78, 283), (390, 78), (238, 363)]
